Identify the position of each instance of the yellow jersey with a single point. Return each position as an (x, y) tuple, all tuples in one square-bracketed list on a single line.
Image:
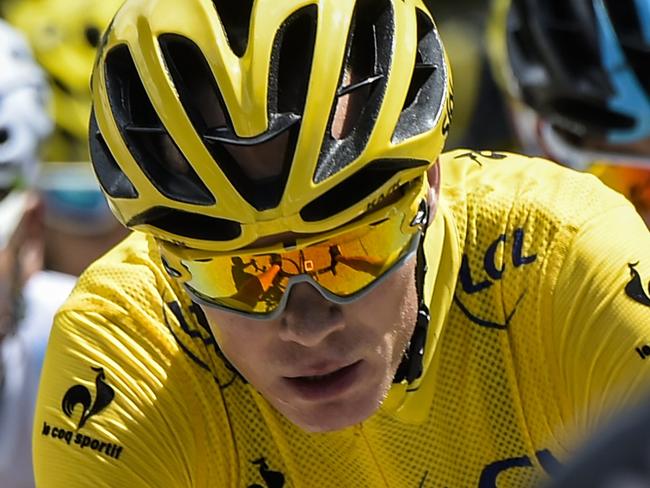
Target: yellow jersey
[(539, 332)]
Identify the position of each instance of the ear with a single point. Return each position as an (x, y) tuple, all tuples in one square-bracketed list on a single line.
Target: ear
[(433, 175)]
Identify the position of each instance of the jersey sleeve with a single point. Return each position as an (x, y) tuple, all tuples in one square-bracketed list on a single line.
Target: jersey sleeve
[(118, 406), (600, 337)]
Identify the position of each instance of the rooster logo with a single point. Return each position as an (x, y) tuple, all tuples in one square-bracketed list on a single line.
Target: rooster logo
[(79, 395), (635, 288), (272, 479)]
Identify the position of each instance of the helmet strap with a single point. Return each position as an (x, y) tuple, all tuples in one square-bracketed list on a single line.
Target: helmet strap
[(411, 366)]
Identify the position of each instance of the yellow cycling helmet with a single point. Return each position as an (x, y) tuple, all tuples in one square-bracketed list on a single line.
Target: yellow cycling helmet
[(214, 121), (64, 35)]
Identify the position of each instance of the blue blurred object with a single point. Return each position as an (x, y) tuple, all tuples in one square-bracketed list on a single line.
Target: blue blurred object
[(73, 200)]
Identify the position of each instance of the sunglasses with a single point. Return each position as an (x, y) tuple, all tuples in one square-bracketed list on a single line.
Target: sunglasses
[(342, 266)]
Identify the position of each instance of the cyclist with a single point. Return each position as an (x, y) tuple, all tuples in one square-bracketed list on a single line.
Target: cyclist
[(28, 296), (503, 326), (79, 226), (64, 38), (576, 75)]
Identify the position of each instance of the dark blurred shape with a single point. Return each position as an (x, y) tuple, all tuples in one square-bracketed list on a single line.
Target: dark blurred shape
[(617, 457), (480, 113)]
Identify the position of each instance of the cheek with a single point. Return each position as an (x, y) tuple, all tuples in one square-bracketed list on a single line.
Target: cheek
[(405, 299), (391, 308), (232, 336), (242, 341)]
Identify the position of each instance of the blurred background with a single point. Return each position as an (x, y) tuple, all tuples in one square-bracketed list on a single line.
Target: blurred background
[(63, 36)]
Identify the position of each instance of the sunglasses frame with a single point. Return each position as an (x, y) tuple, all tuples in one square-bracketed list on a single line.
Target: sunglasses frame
[(201, 299)]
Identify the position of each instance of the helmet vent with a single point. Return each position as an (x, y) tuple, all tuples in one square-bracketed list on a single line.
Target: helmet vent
[(424, 101), (293, 52), (357, 187), (60, 84), (111, 177), (189, 225), (194, 82), (639, 57), (258, 166), (147, 139), (596, 118), (555, 50), (92, 34), (235, 18), (362, 85), (635, 42), (552, 43)]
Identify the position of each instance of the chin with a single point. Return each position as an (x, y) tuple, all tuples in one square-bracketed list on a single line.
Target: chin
[(335, 415), (335, 419)]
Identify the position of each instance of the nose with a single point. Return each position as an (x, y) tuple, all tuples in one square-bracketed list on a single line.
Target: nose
[(309, 318)]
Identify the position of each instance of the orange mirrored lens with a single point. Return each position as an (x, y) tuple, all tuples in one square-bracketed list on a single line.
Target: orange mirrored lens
[(342, 265)]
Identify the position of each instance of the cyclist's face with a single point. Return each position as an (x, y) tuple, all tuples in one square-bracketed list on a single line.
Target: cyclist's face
[(323, 365)]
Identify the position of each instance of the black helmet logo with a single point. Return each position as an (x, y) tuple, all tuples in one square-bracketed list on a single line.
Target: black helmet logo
[(79, 394)]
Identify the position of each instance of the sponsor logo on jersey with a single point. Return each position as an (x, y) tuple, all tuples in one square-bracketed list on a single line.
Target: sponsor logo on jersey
[(635, 288), (643, 351), (79, 395), (423, 480), (494, 272), (492, 471), (272, 479), (477, 156)]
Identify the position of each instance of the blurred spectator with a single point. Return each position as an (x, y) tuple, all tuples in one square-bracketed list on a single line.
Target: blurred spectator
[(79, 226), (577, 79), (480, 115), (64, 35), (28, 295)]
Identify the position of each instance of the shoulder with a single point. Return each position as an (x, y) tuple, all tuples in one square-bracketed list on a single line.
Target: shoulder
[(499, 190), (128, 270), (128, 296), (467, 172), (125, 302), (127, 286), (128, 372)]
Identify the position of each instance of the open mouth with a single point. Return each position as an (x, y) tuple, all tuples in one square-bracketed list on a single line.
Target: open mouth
[(325, 386)]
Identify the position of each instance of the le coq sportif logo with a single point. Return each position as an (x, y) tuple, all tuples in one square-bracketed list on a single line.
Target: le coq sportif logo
[(80, 395), (91, 404), (635, 289)]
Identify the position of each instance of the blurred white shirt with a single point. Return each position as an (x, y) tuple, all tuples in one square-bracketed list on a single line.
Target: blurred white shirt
[(22, 357)]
